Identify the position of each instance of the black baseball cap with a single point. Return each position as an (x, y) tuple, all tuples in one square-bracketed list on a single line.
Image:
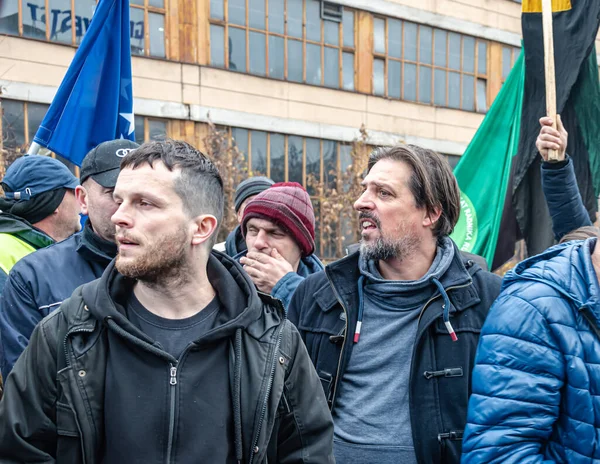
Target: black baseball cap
[(103, 162)]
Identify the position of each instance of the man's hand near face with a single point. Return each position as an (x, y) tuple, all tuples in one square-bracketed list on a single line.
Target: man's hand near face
[(265, 270)]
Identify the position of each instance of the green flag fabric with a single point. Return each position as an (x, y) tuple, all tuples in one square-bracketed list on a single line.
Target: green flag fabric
[(483, 171), (499, 173), (575, 27)]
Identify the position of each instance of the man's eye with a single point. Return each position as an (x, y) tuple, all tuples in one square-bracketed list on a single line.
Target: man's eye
[(144, 203), (384, 193)]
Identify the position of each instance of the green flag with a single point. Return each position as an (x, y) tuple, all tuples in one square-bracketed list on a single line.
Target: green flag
[(483, 172), (499, 173)]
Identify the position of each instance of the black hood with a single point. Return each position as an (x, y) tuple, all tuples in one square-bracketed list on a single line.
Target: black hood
[(242, 306)]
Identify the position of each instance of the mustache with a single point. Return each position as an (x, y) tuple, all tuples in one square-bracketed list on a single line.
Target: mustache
[(368, 215), (127, 237)]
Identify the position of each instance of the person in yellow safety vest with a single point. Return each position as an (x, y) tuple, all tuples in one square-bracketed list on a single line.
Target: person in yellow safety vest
[(38, 208)]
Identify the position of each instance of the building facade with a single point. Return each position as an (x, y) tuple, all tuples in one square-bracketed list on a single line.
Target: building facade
[(293, 80)]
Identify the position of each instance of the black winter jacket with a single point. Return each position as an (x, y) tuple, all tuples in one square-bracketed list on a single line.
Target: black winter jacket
[(324, 308), (53, 406)]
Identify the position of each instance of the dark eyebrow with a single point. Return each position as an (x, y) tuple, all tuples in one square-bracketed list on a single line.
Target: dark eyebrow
[(380, 185)]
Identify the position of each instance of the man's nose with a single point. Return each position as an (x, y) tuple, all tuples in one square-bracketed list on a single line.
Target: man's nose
[(121, 218), (261, 241), (364, 202)]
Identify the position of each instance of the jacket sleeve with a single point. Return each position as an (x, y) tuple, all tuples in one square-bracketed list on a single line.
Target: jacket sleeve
[(563, 198), (306, 428), (27, 414), (19, 315), (295, 307), (285, 288), (516, 386)]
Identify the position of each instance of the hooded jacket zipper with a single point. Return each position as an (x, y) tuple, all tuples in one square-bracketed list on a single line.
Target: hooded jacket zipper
[(263, 410), (173, 364), (172, 386)]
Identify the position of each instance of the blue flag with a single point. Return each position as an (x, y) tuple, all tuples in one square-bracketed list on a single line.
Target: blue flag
[(94, 102)]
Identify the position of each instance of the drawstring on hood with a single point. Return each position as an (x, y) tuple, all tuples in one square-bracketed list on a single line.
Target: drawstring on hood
[(361, 307), (446, 308), (444, 257)]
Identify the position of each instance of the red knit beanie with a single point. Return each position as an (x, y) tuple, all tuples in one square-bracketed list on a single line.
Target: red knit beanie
[(286, 204)]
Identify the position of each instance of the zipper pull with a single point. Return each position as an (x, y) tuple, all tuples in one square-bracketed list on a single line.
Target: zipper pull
[(173, 379)]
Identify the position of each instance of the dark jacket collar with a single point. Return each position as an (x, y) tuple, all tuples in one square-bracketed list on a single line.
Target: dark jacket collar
[(242, 304), (93, 247), (19, 227), (235, 243), (344, 273)]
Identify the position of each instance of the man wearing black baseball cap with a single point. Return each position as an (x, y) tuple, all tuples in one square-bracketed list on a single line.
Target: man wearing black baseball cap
[(38, 283)]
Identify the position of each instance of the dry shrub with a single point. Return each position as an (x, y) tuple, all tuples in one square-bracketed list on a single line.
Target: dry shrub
[(338, 219), (222, 150)]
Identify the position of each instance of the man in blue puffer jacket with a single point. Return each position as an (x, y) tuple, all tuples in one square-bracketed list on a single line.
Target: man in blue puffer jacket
[(536, 380)]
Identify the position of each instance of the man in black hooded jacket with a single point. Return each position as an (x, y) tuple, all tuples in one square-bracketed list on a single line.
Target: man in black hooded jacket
[(40, 281), (172, 355)]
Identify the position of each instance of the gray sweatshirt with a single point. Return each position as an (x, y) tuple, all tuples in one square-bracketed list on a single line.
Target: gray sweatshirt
[(371, 413)]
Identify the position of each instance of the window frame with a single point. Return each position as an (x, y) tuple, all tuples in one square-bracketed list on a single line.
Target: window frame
[(146, 122), (514, 54), (386, 58), (325, 249), (146, 7), (341, 47), (27, 142)]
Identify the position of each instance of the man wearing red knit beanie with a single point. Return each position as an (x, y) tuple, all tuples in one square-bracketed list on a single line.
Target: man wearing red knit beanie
[(279, 228)]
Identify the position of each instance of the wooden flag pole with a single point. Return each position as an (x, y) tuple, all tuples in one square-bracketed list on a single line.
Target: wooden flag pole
[(549, 69)]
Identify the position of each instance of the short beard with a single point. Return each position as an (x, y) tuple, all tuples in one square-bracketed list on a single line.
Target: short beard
[(384, 249), (165, 262)]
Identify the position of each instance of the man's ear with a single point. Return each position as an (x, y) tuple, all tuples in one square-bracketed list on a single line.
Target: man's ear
[(82, 198), (429, 218), (205, 226)]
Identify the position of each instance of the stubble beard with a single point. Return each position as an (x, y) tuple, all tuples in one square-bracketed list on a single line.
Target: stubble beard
[(384, 248), (163, 263)]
